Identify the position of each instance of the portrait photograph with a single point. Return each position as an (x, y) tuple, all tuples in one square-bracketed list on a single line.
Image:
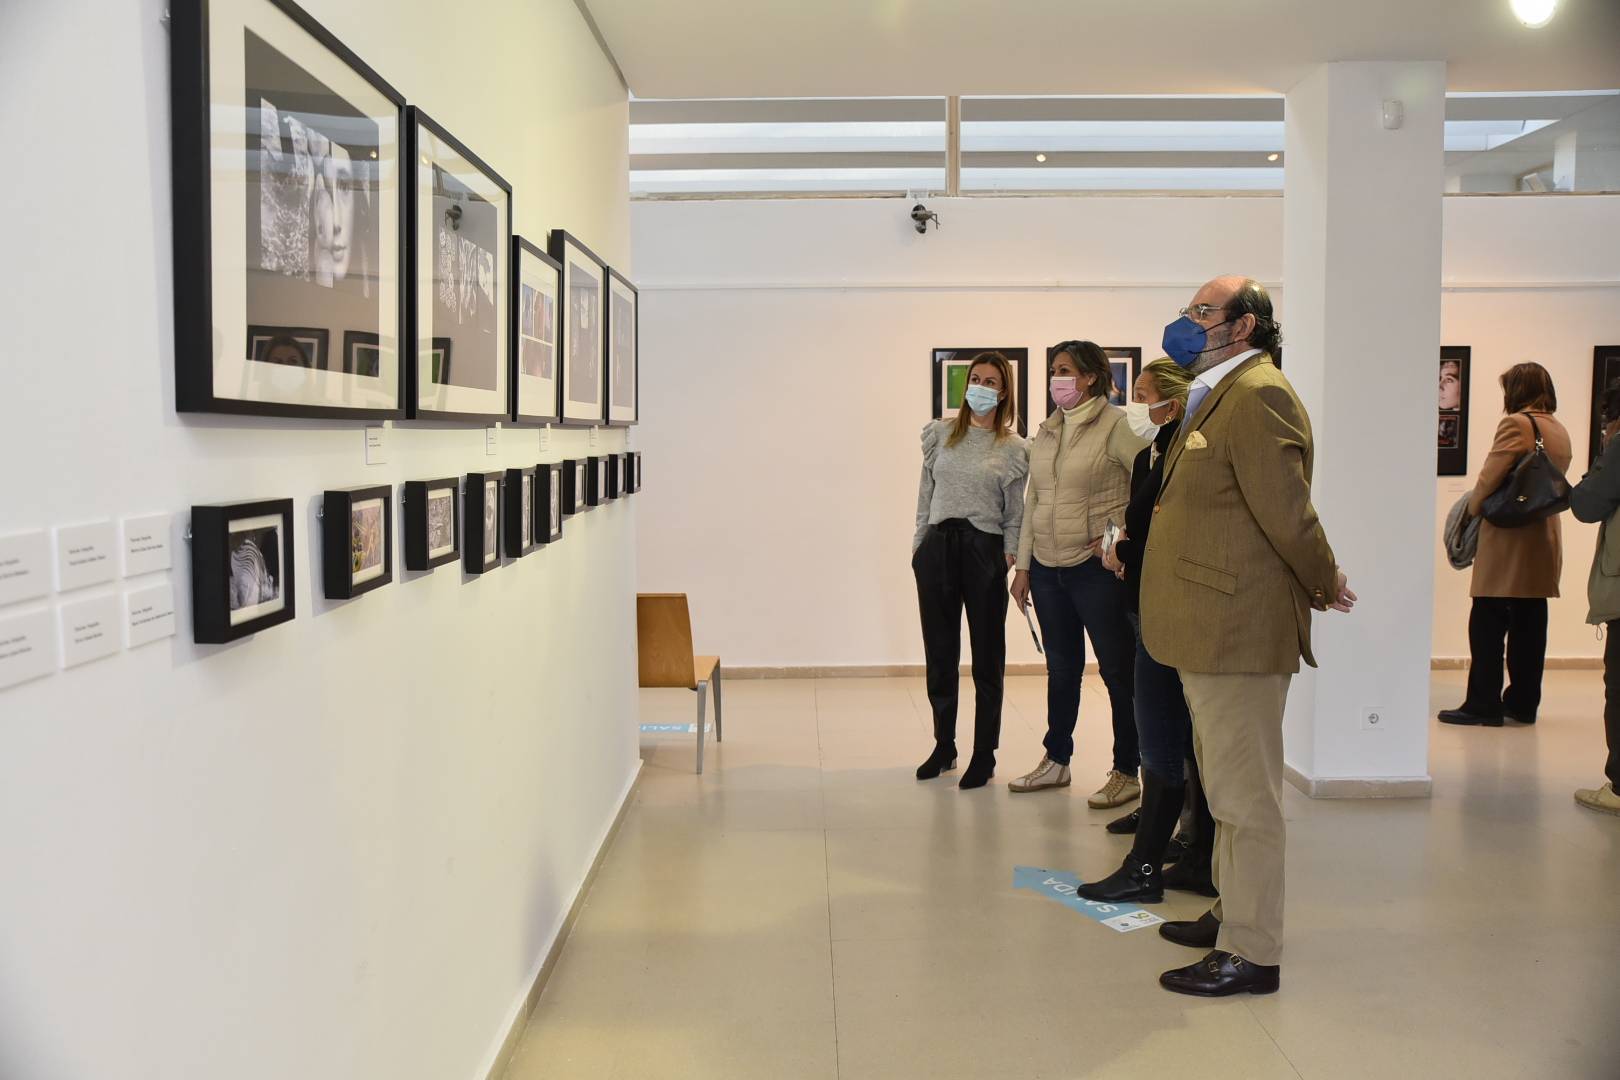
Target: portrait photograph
[(1451, 430), (292, 346), (241, 569)]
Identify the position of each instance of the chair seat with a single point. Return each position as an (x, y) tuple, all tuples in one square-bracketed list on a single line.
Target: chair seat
[(703, 668)]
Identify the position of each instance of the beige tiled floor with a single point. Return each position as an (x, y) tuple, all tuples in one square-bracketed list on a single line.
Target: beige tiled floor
[(807, 909)]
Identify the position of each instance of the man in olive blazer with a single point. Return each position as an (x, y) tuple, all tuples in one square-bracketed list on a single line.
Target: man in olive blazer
[(1235, 562)]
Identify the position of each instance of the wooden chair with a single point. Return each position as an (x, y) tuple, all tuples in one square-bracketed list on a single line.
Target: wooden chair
[(664, 640)]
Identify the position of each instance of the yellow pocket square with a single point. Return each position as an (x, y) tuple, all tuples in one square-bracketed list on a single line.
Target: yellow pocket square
[(1196, 441)]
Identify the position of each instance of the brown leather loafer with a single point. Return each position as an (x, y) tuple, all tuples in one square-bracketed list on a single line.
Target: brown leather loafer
[(1221, 974), (1198, 934)]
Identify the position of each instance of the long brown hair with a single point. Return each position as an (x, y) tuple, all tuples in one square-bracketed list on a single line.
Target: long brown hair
[(1528, 386), (1006, 408)]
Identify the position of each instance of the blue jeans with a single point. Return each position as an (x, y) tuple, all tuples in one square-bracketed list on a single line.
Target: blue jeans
[(1163, 724), (1071, 602)]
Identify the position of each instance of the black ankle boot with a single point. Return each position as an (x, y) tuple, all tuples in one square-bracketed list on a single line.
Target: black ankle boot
[(1126, 824), (943, 758), (1134, 881), (1138, 878), (981, 767)]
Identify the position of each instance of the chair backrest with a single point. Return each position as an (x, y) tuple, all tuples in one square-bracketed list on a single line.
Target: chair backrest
[(664, 640)]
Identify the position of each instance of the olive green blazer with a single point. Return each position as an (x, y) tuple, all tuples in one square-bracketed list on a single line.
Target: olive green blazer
[(1236, 558)]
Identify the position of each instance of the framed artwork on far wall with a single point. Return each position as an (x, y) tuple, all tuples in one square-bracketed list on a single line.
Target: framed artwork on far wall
[(548, 526), (951, 368), (459, 251), (632, 472), (536, 394), (241, 569), (519, 536), (431, 508), (1124, 365), (1605, 370), (357, 541), (286, 151), (481, 522), (624, 363), (583, 345), (1451, 429)]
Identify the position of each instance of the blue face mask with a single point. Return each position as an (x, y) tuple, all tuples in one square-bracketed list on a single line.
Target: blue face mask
[(981, 399), (1185, 341)]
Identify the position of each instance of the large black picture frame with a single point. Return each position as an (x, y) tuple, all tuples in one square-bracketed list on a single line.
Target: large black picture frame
[(617, 415), (481, 537), (489, 404), (419, 495), (338, 571), (232, 561), (1605, 369), (532, 403), (196, 161), (1451, 425), (579, 412), (942, 360)]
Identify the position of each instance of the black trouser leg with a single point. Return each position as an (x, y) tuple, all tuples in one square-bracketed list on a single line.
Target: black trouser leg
[(1161, 809), (1487, 629), (983, 576), (1526, 656), (1203, 822), (939, 600), (1611, 701)]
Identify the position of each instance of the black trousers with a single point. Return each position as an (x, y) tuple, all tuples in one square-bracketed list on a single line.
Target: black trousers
[(960, 567), (1611, 700), (1523, 622)]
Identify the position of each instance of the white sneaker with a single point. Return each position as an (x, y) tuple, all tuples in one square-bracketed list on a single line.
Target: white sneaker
[(1117, 790), (1048, 774), (1603, 800)]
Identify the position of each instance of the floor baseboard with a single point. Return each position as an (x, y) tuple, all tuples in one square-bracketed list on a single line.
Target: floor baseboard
[(885, 671)]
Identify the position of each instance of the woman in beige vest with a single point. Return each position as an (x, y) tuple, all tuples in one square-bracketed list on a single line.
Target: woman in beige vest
[(1079, 482)]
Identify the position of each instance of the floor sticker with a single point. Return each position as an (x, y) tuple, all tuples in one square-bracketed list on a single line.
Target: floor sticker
[(680, 729), (1060, 886)]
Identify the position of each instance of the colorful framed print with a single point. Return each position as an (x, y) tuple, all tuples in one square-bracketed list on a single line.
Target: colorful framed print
[(431, 533), (242, 578), (1451, 441), (1605, 370), (624, 365), (583, 344), (518, 534), (481, 522), (357, 541), (950, 381), (459, 250), (536, 394), (288, 210)]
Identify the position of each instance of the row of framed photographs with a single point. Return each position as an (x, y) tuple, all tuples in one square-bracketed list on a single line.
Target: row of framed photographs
[(314, 208), (1456, 362), (951, 367), (242, 557)]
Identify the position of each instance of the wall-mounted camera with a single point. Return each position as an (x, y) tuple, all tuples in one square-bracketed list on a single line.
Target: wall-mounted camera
[(921, 216)]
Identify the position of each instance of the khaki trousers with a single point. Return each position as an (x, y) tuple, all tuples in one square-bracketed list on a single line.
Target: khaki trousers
[(1237, 736)]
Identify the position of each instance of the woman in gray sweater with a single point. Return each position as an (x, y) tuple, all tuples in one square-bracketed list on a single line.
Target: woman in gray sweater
[(970, 505)]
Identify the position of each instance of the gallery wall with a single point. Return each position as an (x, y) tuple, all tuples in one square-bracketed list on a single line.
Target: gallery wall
[(343, 847), (788, 343)]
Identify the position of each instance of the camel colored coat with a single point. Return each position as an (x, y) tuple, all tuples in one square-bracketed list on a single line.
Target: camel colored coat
[(1527, 561)]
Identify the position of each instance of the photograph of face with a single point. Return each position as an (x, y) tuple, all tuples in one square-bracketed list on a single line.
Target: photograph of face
[(288, 345), (312, 250), (441, 522), (527, 527), (492, 503), (584, 334), (465, 236), (555, 520), (1450, 385), (255, 568), (622, 347), (537, 332)]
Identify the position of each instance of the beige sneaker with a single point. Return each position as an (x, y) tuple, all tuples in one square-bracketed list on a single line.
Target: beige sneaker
[(1117, 790), (1048, 774), (1603, 800)]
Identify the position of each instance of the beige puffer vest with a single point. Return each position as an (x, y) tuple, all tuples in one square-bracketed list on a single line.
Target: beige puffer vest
[(1070, 502)]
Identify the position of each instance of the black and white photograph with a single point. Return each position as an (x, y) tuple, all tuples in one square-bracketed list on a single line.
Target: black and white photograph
[(534, 348), (255, 568), (441, 522), (357, 540), (492, 510), (951, 368), (522, 508), (1605, 370), (430, 520), (482, 521), (582, 487), (286, 154), (582, 343), (623, 372), (554, 492), (460, 251), (241, 569), (1451, 427)]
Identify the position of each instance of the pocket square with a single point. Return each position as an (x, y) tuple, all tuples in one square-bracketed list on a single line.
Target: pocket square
[(1196, 441)]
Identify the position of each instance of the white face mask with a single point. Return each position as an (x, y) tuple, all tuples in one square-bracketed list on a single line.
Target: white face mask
[(1139, 415)]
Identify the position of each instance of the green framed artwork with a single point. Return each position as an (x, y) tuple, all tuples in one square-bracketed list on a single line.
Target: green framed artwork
[(950, 379)]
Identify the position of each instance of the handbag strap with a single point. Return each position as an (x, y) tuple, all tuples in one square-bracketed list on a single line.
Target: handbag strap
[(1535, 429)]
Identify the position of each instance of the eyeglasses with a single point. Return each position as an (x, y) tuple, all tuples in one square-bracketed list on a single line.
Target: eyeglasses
[(1202, 311)]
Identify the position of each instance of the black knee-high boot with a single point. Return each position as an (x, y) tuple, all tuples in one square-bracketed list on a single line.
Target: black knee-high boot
[(1193, 871), (1138, 878)]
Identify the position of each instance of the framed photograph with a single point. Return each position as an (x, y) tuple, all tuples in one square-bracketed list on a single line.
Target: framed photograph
[(481, 517), (362, 353), (584, 346), (357, 541), (431, 532), (632, 472), (288, 215), (576, 487), (459, 249), (241, 569), (1605, 370), (595, 481), (1124, 365), (612, 478), (548, 527), (1452, 429), (519, 535), (951, 367), (536, 395), (624, 365)]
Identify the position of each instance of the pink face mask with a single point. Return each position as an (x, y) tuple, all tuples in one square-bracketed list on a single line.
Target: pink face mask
[(1065, 394)]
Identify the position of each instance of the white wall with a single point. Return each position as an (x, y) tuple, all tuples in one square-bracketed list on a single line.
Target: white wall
[(339, 849), (786, 349)]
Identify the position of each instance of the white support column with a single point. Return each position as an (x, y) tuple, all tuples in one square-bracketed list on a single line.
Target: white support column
[(1361, 276)]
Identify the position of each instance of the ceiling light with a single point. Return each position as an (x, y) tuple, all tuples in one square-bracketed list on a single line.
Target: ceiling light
[(1040, 157), (1271, 157), (1534, 13)]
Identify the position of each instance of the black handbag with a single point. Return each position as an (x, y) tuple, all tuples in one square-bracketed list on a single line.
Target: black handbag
[(1534, 491)]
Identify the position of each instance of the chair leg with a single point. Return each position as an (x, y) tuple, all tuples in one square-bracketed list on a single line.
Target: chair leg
[(718, 736), (702, 702)]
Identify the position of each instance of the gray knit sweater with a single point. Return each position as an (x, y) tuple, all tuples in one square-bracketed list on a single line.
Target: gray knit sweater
[(981, 479)]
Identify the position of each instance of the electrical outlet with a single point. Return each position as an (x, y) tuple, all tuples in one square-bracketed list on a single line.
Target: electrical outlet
[(1373, 718)]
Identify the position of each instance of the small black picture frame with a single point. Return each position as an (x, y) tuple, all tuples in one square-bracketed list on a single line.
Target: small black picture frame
[(242, 569), (1451, 427), (622, 307), (535, 357), (549, 485), (1605, 370), (357, 540), (519, 535), (612, 478), (595, 482), (632, 472), (947, 389), (576, 487), (581, 340), (432, 529), (1124, 362), (481, 509)]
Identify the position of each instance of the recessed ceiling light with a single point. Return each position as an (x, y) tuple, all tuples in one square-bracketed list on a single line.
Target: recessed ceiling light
[(1040, 157), (1271, 157), (1534, 13)]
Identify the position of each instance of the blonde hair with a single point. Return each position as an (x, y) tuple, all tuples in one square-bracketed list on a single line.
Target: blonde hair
[(1170, 379), (1006, 408)]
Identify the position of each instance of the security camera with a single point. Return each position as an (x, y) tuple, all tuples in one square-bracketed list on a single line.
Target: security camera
[(921, 216)]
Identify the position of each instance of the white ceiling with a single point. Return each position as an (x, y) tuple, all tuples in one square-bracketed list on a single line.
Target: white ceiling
[(836, 48)]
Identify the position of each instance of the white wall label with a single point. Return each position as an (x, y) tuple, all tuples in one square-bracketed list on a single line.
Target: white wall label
[(89, 629), (148, 614), (376, 446), (545, 438), (146, 544), (25, 560), (492, 438), (593, 435), (85, 555), (26, 649)]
